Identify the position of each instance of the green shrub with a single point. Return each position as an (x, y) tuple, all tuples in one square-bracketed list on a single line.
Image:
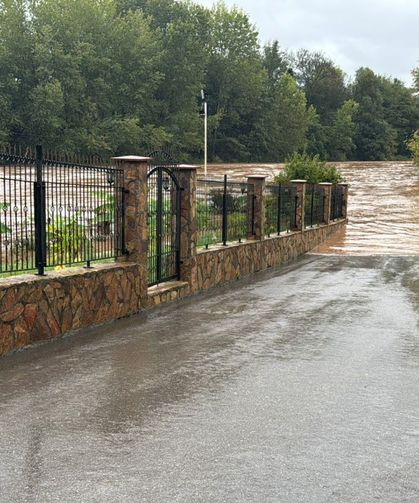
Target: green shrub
[(413, 146), (312, 169), (233, 203)]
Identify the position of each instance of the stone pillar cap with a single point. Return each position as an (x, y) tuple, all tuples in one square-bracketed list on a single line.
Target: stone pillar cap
[(257, 177), (325, 183), (298, 181), (186, 166), (131, 158)]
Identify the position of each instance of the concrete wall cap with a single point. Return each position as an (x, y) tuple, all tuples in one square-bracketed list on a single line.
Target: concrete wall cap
[(326, 183), (257, 177), (298, 181)]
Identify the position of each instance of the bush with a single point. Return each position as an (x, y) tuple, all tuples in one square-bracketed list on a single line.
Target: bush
[(312, 169), (232, 203), (413, 146)]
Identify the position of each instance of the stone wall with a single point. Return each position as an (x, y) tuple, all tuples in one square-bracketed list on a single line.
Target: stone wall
[(221, 264), (36, 308)]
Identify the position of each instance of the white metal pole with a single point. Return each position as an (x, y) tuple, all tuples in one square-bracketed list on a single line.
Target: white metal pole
[(205, 137)]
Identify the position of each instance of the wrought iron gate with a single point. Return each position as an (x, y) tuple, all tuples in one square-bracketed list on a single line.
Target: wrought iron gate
[(164, 199)]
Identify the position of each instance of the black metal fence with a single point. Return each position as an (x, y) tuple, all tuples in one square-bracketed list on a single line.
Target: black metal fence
[(163, 215), (280, 209), (225, 211), (336, 203), (54, 212), (314, 205)]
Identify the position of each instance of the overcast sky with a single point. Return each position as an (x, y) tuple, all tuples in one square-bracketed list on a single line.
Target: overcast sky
[(381, 34)]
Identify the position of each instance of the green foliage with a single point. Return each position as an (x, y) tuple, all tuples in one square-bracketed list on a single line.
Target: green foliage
[(415, 75), (4, 229), (309, 168), (401, 112), (104, 212), (331, 131), (233, 203), (281, 127), (66, 239), (374, 137), (235, 80), (322, 81), (413, 146), (340, 139), (113, 77)]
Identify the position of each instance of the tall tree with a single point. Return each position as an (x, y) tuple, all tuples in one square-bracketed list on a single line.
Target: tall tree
[(276, 62), (325, 88), (322, 81), (340, 143), (415, 74), (16, 70), (182, 29), (282, 123), (413, 143), (374, 137), (235, 80), (94, 74), (401, 111)]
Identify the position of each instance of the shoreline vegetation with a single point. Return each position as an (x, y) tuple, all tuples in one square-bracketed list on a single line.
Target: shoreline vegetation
[(110, 77)]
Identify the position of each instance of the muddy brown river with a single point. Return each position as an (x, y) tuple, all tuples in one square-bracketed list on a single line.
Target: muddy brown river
[(383, 207)]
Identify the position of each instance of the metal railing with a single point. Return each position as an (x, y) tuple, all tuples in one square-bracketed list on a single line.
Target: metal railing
[(163, 224), (314, 205), (225, 211), (336, 203), (280, 209), (54, 212)]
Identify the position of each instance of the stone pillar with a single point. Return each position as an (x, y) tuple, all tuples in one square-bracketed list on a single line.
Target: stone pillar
[(327, 190), (300, 186), (187, 176), (135, 183), (256, 199), (345, 188)]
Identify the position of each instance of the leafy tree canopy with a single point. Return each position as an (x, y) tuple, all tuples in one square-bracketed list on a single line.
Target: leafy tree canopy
[(115, 76)]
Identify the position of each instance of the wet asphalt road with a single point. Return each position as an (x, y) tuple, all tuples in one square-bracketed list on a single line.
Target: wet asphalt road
[(294, 386)]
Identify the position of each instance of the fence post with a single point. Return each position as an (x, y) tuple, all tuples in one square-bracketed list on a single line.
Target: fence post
[(327, 198), (225, 214), (187, 177), (278, 213), (257, 230), (40, 214), (344, 187), (300, 188), (136, 242)]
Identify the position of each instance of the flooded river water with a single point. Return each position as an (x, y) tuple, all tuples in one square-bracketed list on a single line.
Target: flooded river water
[(383, 210), (383, 207)]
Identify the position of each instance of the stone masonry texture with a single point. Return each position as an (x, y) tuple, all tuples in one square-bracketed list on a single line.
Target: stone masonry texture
[(223, 264), (34, 308), (40, 308)]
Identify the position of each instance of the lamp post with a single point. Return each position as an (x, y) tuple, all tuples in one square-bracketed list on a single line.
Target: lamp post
[(204, 97)]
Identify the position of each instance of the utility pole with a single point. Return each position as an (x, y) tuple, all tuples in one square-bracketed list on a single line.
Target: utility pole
[(204, 97)]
